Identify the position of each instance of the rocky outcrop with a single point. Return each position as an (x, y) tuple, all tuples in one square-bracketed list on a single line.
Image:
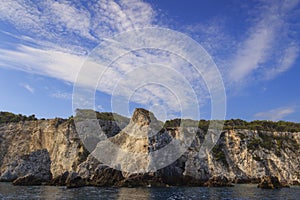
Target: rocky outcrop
[(60, 180), (218, 181), (29, 169), (240, 156), (98, 174), (271, 182), (74, 180), (69, 179), (29, 179), (130, 148), (57, 136)]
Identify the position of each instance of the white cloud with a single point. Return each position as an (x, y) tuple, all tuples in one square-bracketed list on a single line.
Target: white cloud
[(287, 59), (267, 49), (51, 63), (261, 51), (72, 21), (61, 30), (253, 53), (275, 114), (66, 66), (138, 12), (64, 14), (61, 95), (70, 30), (214, 37), (28, 88)]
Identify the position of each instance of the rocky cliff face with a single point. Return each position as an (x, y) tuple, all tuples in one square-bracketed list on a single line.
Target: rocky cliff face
[(246, 156), (36, 165), (57, 136), (240, 155)]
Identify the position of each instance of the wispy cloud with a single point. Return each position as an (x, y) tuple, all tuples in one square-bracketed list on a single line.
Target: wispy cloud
[(61, 33), (266, 47), (94, 22), (275, 114), (87, 21), (51, 63), (214, 37), (288, 58), (61, 95), (66, 66), (268, 50), (28, 87)]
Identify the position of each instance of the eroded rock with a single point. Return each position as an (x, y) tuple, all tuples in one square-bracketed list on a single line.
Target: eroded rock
[(60, 180), (271, 182), (29, 169), (75, 181), (28, 180), (218, 181), (243, 156)]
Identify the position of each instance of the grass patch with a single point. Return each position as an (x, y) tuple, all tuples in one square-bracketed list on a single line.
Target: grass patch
[(219, 154)]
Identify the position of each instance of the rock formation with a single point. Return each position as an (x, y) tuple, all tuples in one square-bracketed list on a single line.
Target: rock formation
[(29, 169), (270, 182), (218, 181), (241, 156)]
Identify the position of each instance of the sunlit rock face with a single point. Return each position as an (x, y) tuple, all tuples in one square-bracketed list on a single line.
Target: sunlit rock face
[(57, 136), (242, 156), (129, 150), (142, 117)]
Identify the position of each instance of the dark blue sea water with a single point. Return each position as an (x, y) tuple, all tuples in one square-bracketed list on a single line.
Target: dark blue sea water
[(7, 191)]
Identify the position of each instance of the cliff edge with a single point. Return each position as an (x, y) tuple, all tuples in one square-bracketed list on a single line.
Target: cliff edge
[(54, 147)]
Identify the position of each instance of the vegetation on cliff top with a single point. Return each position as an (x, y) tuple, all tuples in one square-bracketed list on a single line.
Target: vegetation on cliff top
[(233, 124), (272, 142), (259, 125), (6, 117), (82, 114)]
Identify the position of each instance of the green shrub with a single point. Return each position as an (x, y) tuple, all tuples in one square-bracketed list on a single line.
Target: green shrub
[(233, 124), (7, 117), (82, 114), (254, 144), (219, 154), (241, 135)]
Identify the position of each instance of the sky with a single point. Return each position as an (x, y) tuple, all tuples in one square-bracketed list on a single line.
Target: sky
[(46, 46)]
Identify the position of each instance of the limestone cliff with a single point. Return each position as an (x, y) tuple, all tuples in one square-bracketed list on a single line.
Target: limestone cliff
[(240, 155), (57, 136), (246, 156)]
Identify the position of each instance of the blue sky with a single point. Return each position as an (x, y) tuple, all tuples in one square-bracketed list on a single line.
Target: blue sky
[(254, 44)]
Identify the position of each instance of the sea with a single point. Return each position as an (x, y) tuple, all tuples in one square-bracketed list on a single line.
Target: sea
[(239, 191)]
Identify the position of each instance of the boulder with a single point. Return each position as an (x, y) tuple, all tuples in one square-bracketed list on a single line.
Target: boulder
[(75, 181), (60, 180), (271, 182), (29, 179), (295, 182), (218, 181), (106, 176), (246, 179)]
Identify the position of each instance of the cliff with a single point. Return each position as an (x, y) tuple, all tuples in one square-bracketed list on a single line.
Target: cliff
[(241, 156)]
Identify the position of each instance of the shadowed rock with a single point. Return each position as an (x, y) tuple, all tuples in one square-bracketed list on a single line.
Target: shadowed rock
[(271, 182), (74, 180), (29, 169), (60, 180), (242, 155), (218, 181)]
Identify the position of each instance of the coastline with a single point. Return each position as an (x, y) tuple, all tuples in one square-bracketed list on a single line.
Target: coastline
[(51, 151)]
